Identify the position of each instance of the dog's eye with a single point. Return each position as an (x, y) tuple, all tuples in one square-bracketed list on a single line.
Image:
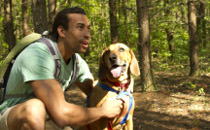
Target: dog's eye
[(121, 49)]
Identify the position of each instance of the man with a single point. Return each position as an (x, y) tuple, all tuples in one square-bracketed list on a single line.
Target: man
[(33, 72)]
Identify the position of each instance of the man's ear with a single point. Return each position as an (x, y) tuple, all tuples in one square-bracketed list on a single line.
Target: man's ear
[(102, 67), (61, 31), (134, 67)]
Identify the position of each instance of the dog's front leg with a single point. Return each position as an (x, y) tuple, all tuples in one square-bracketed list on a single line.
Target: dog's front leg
[(129, 123)]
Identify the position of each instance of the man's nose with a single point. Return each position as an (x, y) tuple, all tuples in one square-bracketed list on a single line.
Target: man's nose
[(87, 34)]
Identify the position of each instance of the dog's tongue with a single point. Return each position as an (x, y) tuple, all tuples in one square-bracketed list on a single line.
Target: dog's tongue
[(116, 72)]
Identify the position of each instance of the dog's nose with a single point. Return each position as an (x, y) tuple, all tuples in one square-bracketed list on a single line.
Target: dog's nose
[(113, 57)]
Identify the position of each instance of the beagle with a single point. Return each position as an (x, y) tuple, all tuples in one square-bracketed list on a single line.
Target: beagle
[(117, 63)]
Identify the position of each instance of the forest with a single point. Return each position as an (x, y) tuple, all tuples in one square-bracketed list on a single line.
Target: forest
[(170, 39)]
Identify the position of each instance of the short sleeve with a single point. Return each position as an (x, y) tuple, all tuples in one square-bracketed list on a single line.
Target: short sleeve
[(36, 63), (84, 71)]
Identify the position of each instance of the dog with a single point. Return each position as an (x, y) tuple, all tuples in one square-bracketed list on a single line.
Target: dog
[(117, 63)]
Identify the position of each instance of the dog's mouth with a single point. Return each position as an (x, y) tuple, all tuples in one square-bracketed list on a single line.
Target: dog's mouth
[(117, 70)]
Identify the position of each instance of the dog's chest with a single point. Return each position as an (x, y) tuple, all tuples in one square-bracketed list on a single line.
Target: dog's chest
[(126, 98)]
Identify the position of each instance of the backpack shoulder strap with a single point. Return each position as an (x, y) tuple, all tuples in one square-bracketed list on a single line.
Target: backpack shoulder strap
[(16, 50), (55, 54), (57, 59), (76, 68), (54, 51)]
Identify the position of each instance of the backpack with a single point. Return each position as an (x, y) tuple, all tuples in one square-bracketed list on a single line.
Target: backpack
[(7, 64)]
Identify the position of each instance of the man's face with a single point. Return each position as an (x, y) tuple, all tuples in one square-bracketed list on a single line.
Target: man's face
[(78, 34)]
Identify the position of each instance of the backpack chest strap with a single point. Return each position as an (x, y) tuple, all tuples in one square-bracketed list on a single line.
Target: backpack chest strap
[(57, 59)]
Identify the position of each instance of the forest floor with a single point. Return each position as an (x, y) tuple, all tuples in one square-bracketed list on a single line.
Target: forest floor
[(182, 103)]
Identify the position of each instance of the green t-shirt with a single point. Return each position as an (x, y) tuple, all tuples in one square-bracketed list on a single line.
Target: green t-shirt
[(36, 63)]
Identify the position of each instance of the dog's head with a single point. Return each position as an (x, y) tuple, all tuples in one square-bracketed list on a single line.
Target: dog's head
[(117, 62)]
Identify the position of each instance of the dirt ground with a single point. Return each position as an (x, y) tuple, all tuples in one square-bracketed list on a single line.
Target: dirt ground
[(183, 103)]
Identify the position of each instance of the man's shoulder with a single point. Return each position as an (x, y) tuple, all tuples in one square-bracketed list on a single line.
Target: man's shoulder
[(34, 52), (37, 45), (35, 48)]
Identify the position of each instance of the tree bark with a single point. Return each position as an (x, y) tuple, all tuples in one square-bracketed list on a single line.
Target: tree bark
[(52, 9), (113, 21), (24, 17), (8, 28), (147, 79), (168, 31), (39, 16), (194, 64), (69, 3), (126, 36), (201, 24)]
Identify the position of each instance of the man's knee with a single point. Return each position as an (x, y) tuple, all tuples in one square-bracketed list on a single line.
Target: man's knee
[(35, 108), (30, 115)]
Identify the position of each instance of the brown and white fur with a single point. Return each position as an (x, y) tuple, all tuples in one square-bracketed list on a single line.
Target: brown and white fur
[(117, 63)]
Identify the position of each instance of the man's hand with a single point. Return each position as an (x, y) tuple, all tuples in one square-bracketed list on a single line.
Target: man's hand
[(112, 107)]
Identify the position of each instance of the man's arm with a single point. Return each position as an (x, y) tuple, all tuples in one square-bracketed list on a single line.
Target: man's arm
[(66, 114)]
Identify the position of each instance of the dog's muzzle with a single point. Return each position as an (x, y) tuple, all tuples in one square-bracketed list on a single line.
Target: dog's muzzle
[(117, 67)]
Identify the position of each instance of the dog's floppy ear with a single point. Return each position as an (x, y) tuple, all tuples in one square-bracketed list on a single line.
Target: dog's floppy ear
[(102, 67), (134, 67)]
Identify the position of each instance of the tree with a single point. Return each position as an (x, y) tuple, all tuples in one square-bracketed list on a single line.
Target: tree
[(52, 9), (113, 21), (201, 23), (8, 28), (147, 79), (24, 17), (126, 36), (39, 15), (194, 64), (168, 30)]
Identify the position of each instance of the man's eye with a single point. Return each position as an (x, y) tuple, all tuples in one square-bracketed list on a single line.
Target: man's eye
[(81, 27)]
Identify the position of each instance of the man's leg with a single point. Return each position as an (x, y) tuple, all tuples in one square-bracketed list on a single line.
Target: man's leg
[(28, 115), (50, 125)]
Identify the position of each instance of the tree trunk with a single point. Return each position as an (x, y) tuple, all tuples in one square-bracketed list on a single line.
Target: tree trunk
[(170, 42), (168, 30), (201, 24), (39, 16), (8, 28), (147, 79), (69, 3), (2, 48), (194, 64), (24, 17), (52, 9), (126, 36), (113, 21)]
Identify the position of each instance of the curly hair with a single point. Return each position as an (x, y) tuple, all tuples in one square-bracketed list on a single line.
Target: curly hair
[(62, 19)]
